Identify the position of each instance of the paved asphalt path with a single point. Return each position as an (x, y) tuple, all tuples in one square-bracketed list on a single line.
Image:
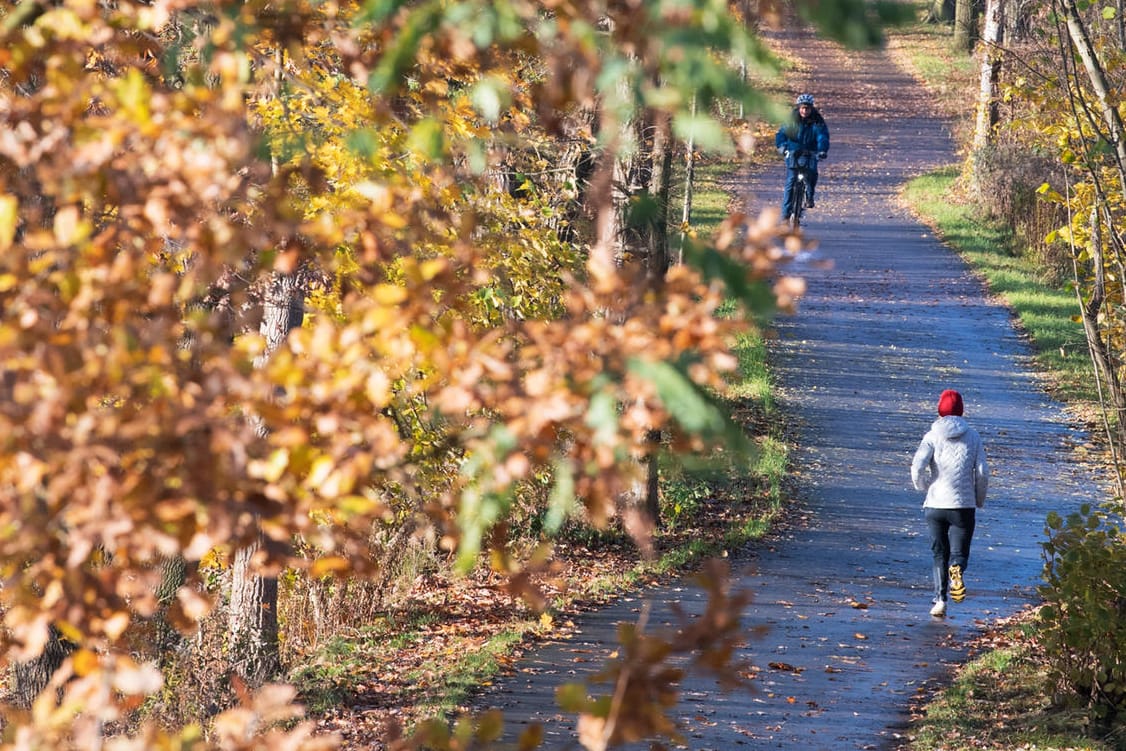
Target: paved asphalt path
[(892, 322)]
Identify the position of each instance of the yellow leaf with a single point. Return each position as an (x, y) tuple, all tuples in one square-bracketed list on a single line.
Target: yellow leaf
[(328, 565), (85, 662), (431, 268), (490, 726), (319, 472), (134, 96), (389, 294), (70, 228), (358, 505), (274, 467), (9, 218)]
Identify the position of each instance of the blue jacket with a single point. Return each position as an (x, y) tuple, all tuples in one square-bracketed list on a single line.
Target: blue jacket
[(811, 134)]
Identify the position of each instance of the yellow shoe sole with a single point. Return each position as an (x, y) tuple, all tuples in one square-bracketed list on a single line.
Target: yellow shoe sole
[(957, 586)]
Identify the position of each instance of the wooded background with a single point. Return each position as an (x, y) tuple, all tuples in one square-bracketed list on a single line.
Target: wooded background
[(291, 289)]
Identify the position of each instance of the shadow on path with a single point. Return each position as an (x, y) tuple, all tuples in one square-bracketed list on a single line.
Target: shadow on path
[(893, 321)]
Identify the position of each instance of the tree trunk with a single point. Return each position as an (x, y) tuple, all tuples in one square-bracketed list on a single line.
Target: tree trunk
[(657, 266), (173, 574), (964, 25), (253, 615), (991, 57), (1106, 364), (1081, 40), (30, 678), (253, 621), (1018, 22), (659, 186), (649, 178), (1120, 23), (689, 183), (940, 11)]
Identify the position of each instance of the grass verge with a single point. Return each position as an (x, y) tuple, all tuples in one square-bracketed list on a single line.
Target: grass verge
[(1002, 700)]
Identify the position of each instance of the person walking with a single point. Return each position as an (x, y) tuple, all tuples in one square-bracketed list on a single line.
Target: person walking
[(950, 467), (805, 131)]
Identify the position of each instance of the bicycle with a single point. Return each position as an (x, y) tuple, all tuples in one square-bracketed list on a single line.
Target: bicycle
[(805, 162)]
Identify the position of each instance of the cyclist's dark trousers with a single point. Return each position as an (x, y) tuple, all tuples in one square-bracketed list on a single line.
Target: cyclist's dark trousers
[(951, 530), (788, 194)]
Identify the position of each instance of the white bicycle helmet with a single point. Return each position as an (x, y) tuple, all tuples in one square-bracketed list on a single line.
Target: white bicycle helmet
[(804, 99)]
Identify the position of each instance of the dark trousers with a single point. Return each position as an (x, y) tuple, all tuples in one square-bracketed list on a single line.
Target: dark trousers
[(951, 530), (788, 193)]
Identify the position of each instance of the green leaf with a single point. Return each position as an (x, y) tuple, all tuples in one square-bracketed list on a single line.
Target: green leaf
[(378, 11), (602, 416), (401, 55), (562, 497), (571, 697), (489, 95), (704, 130), (755, 296), (694, 409), (427, 139), (482, 504), (853, 22), (1110, 13)]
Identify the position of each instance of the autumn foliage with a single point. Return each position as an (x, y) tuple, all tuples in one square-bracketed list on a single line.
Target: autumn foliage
[(434, 184)]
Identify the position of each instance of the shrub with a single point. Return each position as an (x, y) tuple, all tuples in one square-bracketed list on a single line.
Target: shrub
[(1083, 622), (1006, 180)]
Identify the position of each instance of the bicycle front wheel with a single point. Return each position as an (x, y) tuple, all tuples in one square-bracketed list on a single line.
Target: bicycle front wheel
[(798, 205)]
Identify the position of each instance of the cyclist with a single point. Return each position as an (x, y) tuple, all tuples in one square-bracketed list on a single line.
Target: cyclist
[(806, 131)]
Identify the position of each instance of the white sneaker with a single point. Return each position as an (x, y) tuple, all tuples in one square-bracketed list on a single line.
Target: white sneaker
[(939, 608)]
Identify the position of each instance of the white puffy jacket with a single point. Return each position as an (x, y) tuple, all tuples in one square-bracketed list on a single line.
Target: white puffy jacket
[(950, 465)]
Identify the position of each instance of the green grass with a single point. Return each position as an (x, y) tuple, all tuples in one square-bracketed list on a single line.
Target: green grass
[(1000, 701), (936, 60), (711, 198), (1044, 311), (450, 682), (755, 381)]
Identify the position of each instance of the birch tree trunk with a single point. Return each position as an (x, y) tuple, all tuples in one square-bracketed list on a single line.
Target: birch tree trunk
[(991, 58), (689, 184), (1112, 119), (637, 228), (1120, 23)]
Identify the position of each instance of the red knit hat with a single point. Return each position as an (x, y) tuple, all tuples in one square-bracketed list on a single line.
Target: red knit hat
[(950, 403)]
